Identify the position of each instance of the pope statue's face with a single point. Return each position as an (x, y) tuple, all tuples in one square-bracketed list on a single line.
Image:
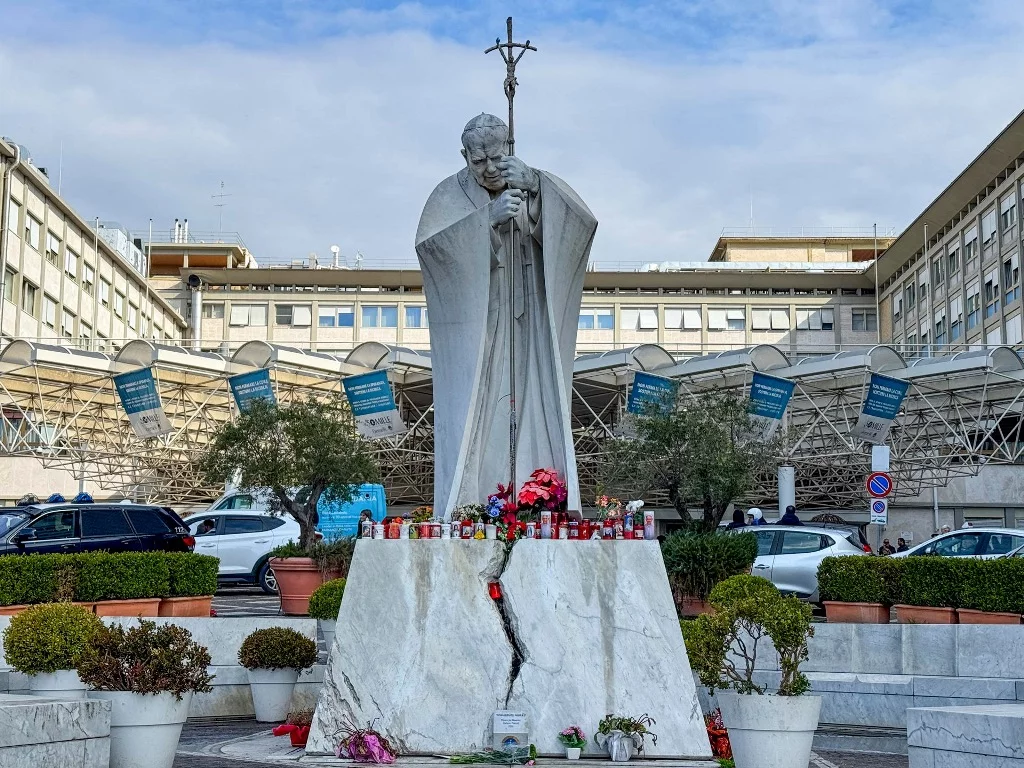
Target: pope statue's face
[(482, 157)]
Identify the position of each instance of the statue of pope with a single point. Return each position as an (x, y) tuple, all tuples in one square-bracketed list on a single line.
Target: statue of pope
[(463, 246)]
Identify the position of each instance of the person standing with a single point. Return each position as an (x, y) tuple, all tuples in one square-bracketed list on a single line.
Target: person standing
[(887, 548), (901, 545), (737, 520), (790, 517), (757, 515)]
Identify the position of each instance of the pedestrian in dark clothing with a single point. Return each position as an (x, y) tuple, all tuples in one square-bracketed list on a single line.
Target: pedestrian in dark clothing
[(790, 517), (757, 515), (737, 520), (886, 548), (901, 545)]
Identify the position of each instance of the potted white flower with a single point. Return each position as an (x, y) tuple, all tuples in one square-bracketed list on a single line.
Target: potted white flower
[(148, 673), (623, 736), (274, 657), (46, 642), (765, 730)]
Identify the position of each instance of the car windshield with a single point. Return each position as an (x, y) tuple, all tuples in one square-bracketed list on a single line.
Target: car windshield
[(9, 520)]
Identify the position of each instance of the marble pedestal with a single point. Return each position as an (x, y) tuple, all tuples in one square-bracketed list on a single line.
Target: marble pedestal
[(423, 651), (37, 732)]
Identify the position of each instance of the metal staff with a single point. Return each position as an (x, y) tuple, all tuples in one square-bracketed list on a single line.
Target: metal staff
[(511, 59)]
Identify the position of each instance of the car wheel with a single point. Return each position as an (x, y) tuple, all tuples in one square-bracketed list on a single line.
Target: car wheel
[(266, 579)]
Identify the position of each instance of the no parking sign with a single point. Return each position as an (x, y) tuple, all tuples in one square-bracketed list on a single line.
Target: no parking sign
[(880, 511)]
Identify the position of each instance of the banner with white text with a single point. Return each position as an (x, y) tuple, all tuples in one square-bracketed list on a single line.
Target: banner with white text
[(141, 401), (373, 405), (769, 396), (255, 385), (650, 391), (883, 401)]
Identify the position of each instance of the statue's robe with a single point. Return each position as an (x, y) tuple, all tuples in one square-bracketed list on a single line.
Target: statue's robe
[(464, 262)]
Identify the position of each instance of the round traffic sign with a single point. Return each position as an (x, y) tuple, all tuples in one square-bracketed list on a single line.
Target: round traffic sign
[(879, 485), (878, 506)]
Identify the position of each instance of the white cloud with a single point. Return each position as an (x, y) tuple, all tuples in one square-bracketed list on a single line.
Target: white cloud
[(341, 139)]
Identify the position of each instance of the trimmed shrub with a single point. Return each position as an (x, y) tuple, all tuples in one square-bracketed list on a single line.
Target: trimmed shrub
[(860, 579), (993, 585), (49, 637), (28, 579), (325, 602), (123, 576), (146, 659), (191, 575), (277, 648), (933, 582), (696, 562)]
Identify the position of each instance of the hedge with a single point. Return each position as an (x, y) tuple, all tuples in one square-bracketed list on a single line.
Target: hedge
[(697, 561), (940, 582), (95, 576)]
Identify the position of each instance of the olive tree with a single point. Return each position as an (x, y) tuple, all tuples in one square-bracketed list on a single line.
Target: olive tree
[(300, 452)]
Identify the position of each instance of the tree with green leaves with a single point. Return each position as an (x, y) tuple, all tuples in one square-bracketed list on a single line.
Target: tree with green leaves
[(300, 452), (700, 450)]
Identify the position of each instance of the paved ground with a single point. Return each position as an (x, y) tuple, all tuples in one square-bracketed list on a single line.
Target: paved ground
[(245, 601), (222, 745)]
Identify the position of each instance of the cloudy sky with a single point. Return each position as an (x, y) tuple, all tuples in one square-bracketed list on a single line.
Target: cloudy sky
[(330, 121)]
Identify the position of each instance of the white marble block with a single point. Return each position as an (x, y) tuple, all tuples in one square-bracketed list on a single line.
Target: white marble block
[(422, 648), (36, 731), (951, 737)]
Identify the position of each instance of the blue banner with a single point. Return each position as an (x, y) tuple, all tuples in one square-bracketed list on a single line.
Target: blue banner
[(649, 391), (883, 401), (373, 404), (254, 385), (769, 396), (140, 400)]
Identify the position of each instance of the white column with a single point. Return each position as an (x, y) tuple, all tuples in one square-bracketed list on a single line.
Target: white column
[(787, 488)]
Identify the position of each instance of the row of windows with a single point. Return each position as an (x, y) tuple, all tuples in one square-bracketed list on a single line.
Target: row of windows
[(328, 316), (936, 337), (915, 294)]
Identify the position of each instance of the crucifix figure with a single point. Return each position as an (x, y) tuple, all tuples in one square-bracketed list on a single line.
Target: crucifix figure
[(503, 249)]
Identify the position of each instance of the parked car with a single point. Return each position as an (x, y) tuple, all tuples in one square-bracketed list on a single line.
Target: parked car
[(89, 527), (242, 539), (789, 555), (981, 543)]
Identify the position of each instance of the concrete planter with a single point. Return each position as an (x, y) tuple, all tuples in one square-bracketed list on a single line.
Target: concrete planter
[(197, 607), (144, 728), (146, 607), (297, 579), (970, 616), (272, 693), (856, 613), (770, 731), (922, 614), (62, 684), (327, 626)]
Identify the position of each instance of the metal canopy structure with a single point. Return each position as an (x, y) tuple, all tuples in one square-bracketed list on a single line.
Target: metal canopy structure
[(961, 412)]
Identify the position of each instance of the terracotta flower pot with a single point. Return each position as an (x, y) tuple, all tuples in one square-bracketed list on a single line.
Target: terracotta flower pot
[(297, 579), (11, 610), (147, 607), (921, 614), (693, 606), (856, 613), (185, 606), (970, 616)]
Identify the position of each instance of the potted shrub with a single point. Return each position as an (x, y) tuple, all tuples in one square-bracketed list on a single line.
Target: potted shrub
[(930, 589), (274, 657), (192, 584), (46, 642), (148, 674), (298, 454), (324, 605), (624, 736), (858, 589), (765, 731), (573, 739), (696, 561), (991, 592), (296, 727), (123, 584)]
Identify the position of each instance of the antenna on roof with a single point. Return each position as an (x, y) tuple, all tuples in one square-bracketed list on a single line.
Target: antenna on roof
[(220, 207)]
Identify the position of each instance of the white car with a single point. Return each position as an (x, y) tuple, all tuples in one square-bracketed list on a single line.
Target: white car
[(789, 555), (980, 543), (242, 539)]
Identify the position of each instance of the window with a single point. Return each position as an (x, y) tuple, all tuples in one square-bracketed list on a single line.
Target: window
[(374, 316), (970, 244), (49, 312), (104, 292), (973, 305), (9, 277), (149, 521), (52, 247), (769, 319), (953, 258), (957, 545), (815, 319), (105, 521), (28, 297), (991, 293), (736, 319), (248, 315), (864, 319), (912, 344), (237, 525), (799, 543), (213, 311), (940, 329), (911, 295), (1013, 330), (897, 305), (765, 539), (938, 273), (726, 320), (922, 282), (988, 227), (926, 349), (638, 318), (1002, 544), (1011, 278), (415, 317), (133, 317), (85, 334), (32, 231), (13, 214), (239, 501), (596, 318), (1007, 212), (956, 317), (683, 318), (340, 316), (67, 324), (88, 279), (118, 303), (55, 525), (296, 315)]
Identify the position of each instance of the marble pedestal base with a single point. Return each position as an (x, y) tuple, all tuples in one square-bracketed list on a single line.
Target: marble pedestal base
[(36, 732), (423, 651)]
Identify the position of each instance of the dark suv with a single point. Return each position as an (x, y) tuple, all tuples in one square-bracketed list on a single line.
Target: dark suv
[(67, 527)]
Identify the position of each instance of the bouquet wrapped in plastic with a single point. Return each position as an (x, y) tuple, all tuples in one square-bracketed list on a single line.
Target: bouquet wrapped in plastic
[(363, 745)]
